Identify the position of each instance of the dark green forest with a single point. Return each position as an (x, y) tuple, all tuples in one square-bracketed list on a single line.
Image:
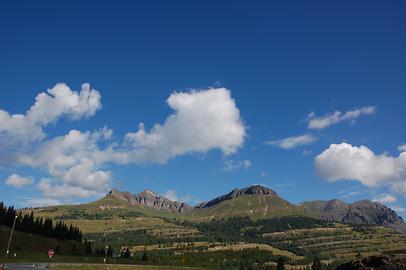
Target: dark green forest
[(45, 227)]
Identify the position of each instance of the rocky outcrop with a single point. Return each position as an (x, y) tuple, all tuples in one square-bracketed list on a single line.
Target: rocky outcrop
[(151, 199), (361, 212), (252, 190)]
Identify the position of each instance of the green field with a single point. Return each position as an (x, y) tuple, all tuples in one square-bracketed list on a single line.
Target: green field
[(341, 243)]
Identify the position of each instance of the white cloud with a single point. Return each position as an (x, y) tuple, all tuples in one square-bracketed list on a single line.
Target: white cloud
[(75, 160), (294, 141), (320, 122), (346, 162), (186, 198), (171, 195), (347, 193), (48, 108), (385, 198), (203, 120), (18, 181), (231, 164), (61, 100), (307, 152)]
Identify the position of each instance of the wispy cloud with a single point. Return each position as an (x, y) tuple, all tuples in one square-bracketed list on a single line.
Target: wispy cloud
[(230, 164), (172, 195), (349, 194), (263, 173), (307, 152), (321, 122), (293, 142), (385, 198)]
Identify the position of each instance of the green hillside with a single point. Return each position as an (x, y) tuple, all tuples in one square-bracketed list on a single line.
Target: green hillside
[(33, 247), (253, 206)]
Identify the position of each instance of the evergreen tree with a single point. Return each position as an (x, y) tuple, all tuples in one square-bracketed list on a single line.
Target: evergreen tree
[(110, 251), (317, 264), (89, 250), (73, 251), (57, 248), (29, 224), (145, 256), (280, 264)]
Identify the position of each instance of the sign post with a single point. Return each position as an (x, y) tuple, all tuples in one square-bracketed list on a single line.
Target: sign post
[(51, 253)]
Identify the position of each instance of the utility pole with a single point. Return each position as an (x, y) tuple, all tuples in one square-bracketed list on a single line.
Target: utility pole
[(9, 240), (105, 255), (11, 236)]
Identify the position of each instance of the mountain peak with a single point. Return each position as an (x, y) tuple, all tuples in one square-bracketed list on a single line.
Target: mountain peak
[(258, 190), (251, 190), (151, 199)]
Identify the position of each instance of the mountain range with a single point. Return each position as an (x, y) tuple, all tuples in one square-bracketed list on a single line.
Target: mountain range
[(256, 202)]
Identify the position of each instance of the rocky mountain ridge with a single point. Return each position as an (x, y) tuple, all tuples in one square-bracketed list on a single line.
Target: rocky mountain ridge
[(151, 199), (265, 200), (360, 212)]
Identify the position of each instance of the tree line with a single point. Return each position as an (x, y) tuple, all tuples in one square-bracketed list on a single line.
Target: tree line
[(45, 227)]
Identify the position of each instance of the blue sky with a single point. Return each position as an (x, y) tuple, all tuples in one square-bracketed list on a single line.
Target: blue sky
[(279, 61)]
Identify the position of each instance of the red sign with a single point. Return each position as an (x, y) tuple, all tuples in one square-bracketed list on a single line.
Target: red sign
[(51, 253)]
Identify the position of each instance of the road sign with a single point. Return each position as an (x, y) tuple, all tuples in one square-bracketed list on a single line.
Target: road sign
[(51, 253)]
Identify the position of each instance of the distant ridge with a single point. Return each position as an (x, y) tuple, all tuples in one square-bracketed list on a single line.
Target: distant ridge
[(360, 212), (151, 199)]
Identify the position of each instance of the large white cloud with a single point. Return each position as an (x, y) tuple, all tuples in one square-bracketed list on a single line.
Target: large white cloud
[(294, 141), (202, 120), (347, 162), (48, 108), (320, 122)]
